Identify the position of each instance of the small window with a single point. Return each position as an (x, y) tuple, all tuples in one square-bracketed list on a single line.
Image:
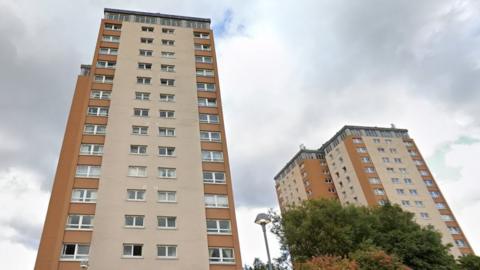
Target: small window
[(167, 68), (363, 159), (166, 251), (88, 171), (209, 118), (166, 151), (424, 215), (406, 203), (77, 252), (428, 182), (142, 96), (210, 136), (140, 112), (397, 160), (419, 204), (136, 194), (390, 170), (357, 140), (395, 181), (400, 191), (99, 94), (412, 153), (79, 222), (84, 195), (221, 255), (205, 72), (91, 149), (167, 172), (202, 47), (137, 171), (203, 59), (106, 64), (166, 132), (201, 35), (460, 243), (147, 29), (369, 169), (413, 192), (402, 170), (168, 30), (216, 201), (168, 42), (361, 150), (103, 79), (168, 54), (214, 177), (374, 180), (167, 196), (453, 230), (424, 173), (132, 250), (108, 51), (207, 102), (146, 66), (113, 27), (440, 206), (138, 149), (167, 98), (146, 40), (97, 111), (216, 226), (386, 160), (212, 156), (167, 114), (144, 80), (208, 87), (145, 52), (408, 181), (114, 39), (379, 191), (134, 221), (167, 222), (393, 150), (167, 82), (139, 130)]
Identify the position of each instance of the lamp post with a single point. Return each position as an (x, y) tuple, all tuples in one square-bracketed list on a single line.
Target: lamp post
[(262, 220)]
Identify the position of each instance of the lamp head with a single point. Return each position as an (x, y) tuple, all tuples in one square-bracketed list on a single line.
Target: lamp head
[(263, 219)]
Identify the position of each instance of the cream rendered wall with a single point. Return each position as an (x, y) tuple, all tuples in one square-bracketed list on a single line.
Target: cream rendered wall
[(418, 184), (335, 165), (109, 233)]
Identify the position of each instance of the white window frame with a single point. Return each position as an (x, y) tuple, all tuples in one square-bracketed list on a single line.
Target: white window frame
[(104, 79), (137, 171), (140, 219), (96, 129), (140, 130), (108, 51), (362, 150), (90, 171), (145, 53), (214, 177), (202, 72), (91, 149), (168, 31), (168, 42), (167, 82), (76, 256), (201, 35), (167, 97), (212, 156), (207, 102), (166, 132), (166, 151), (218, 201), (136, 197), (167, 249), (203, 59), (202, 47), (149, 29), (132, 247), (142, 96), (217, 229), (169, 194), (145, 40), (379, 191), (144, 66), (168, 173), (166, 222), (97, 111), (206, 87), (138, 149), (167, 68), (80, 226), (106, 64), (221, 259), (84, 198), (207, 136), (100, 94), (209, 119), (144, 80), (167, 114), (140, 112), (170, 55), (110, 38), (419, 204), (112, 27)]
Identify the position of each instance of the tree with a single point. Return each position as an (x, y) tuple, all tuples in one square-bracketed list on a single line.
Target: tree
[(325, 228), (469, 262)]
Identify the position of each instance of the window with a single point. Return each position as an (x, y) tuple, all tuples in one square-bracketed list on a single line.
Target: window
[(98, 94), (390, 170), (166, 251), (424, 215), (84, 195), (381, 202), (374, 180), (114, 39), (146, 40), (203, 59), (397, 160), (405, 203), (167, 172), (221, 255), (393, 150), (106, 64), (386, 160), (166, 151), (395, 181), (209, 118), (454, 230), (139, 130), (379, 191), (136, 194), (144, 80), (140, 112), (97, 111), (134, 221), (88, 171), (434, 194), (207, 102), (357, 140), (216, 226), (91, 149), (168, 42), (216, 201), (428, 183), (446, 217), (201, 35), (80, 222), (408, 181), (419, 204), (108, 51), (147, 29), (137, 171), (376, 140), (389, 141), (423, 173), (402, 170), (460, 243), (75, 252), (369, 169), (408, 144), (91, 129), (145, 52), (381, 150), (145, 66), (413, 192), (167, 222), (142, 96), (167, 196), (167, 68), (114, 27), (167, 114), (400, 191), (214, 177), (363, 159), (167, 98), (205, 72), (166, 132), (212, 156), (167, 82), (138, 149), (412, 153), (132, 250), (210, 136), (168, 31), (361, 150), (168, 54), (440, 206), (202, 47)]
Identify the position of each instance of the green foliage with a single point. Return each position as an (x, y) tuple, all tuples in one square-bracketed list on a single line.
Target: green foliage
[(325, 228), (469, 262), (376, 259)]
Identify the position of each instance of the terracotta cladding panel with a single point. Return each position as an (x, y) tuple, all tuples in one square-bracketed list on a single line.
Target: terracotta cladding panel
[(202, 79), (89, 160), (203, 53), (210, 127), (223, 266), (211, 166), (71, 236), (106, 44), (217, 213), (220, 240), (68, 265), (97, 139), (99, 120), (86, 183), (104, 71), (208, 110), (106, 57), (202, 41), (316, 178), (112, 32), (82, 208), (211, 146), (205, 94), (102, 86), (204, 65), (215, 189), (99, 102)]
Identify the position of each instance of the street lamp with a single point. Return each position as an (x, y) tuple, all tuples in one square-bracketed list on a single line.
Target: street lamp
[(263, 219)]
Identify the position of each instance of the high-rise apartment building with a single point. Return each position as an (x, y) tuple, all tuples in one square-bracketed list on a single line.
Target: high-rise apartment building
[(371, 166), (143, 179)]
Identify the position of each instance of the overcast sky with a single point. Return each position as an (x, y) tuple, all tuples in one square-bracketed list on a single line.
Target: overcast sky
[(291, 72)]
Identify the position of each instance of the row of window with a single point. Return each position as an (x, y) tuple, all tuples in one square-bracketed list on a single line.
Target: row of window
[(151, 29), (163, 67), (80, 252)]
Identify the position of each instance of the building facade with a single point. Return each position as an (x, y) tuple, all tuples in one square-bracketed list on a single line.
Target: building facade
[(371, 166), (143, 178)]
